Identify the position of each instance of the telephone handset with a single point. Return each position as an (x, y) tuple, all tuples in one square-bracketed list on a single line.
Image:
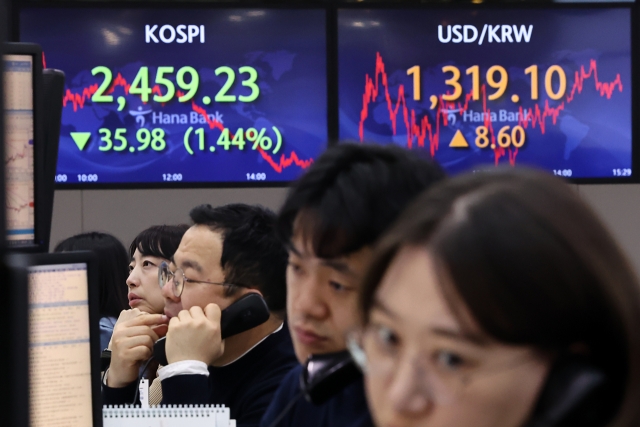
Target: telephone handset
[(324, 375), (248, 312), (576, 394)]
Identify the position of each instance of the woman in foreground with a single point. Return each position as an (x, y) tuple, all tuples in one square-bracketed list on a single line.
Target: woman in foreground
[(500, 300)]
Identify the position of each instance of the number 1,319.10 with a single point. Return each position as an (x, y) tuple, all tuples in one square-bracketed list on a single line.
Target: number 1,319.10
[(499, 84)]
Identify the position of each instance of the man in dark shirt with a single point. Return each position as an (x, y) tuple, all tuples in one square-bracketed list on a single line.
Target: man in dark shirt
[(230, 251), (330, 220)]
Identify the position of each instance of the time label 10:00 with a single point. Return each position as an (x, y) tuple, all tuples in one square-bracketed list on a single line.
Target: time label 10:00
[(500, 83), (186, 78), (84, 177)]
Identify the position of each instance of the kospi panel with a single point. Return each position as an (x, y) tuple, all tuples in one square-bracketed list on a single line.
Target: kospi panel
[(548, 88), (190, 95)]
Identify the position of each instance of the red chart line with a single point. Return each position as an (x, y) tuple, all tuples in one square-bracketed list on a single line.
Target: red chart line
[(78, 100), (20, 203), (420, 130), (20, 208), (19, 155), (277, 166)]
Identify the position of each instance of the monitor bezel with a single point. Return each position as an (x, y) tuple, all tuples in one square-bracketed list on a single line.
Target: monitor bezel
[(16, 338), (39, 187), (93, 292), (310, 5)]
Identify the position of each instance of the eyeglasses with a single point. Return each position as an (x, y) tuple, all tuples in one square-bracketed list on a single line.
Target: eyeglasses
[(179, 279), (440, 377)]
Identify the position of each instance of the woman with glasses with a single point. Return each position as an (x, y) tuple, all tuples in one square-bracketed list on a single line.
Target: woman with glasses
[(500, 300)]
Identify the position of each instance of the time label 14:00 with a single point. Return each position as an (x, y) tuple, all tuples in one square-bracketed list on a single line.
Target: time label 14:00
[(497, 78), (186, 78)]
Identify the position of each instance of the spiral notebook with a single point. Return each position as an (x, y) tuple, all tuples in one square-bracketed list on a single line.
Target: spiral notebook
[(167, 416)]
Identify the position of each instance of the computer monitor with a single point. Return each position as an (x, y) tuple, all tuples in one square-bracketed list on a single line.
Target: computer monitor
[(13, 317), (2, 127), (64, 371), (22, 148)]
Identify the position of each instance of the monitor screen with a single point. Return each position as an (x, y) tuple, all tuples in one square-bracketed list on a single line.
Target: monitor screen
[(544, 87), (190, 95), (59, 346), (19, 131)]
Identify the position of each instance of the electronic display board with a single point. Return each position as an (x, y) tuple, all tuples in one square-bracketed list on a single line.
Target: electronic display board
[(191, 95), (544, 87)]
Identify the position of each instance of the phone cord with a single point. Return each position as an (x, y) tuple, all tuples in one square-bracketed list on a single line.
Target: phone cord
[(286, 409)]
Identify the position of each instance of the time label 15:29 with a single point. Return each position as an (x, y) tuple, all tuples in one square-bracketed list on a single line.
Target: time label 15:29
[(555, 81), (186, 78)]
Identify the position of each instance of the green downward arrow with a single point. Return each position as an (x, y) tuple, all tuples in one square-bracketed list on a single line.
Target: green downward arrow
[(81, 138)]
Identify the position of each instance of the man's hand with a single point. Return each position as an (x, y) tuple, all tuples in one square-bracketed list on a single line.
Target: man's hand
[(131, 344), (195, 335)]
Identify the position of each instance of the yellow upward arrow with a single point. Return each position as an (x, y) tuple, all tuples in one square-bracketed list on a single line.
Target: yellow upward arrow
[(458, 141)]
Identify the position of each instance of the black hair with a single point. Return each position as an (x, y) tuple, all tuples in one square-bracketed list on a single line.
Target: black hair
[(252, 254), (160, 241), (534, 266), (113, 268), (351, 194)]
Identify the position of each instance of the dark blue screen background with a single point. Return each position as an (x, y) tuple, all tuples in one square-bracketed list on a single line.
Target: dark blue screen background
[(591, 136), (286, 47)]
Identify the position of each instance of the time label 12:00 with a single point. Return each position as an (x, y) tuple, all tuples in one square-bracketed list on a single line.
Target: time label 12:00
[(164, 90)]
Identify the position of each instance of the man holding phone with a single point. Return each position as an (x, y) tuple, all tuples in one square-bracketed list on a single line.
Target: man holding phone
[(229, 252), (330, 221)]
